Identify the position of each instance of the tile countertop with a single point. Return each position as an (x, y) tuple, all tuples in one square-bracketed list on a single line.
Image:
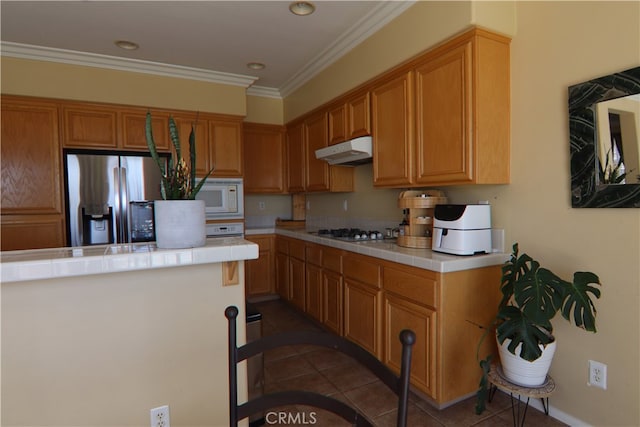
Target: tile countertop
[(17, 266), (388, 250)]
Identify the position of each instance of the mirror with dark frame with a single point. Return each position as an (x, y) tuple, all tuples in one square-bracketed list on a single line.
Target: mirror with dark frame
[(604, 133)]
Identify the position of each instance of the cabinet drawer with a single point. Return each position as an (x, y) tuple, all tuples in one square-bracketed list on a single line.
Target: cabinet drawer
[(314, 254), (332, 260), (362, 269), (263, 242), (420, 287), (296, 249)]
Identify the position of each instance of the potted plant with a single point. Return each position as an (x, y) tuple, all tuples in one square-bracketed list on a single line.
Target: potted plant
[(179, 218), (531, 297)]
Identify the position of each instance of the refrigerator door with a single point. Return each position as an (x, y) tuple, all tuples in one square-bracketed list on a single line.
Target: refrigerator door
[(91, 198), (139, 186)]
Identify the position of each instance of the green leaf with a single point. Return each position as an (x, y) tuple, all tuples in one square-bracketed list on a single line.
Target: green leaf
[(482, 395), (539, 293), (579, 302), (522, 330), (175, 137)]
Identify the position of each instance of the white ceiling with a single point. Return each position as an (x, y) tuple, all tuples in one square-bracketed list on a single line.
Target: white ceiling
[(206, 37)]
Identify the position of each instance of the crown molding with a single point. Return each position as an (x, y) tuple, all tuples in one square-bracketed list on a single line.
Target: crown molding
[(40, 53), (364, 28), (265, 92)]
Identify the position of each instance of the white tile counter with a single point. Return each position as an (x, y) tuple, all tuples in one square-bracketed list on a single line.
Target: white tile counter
[(38, 264), (388, 250)]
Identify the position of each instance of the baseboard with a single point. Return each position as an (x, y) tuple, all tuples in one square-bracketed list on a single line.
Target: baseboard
[(556, 413)]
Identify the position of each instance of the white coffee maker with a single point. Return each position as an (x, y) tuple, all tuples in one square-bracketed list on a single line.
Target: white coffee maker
[(462, 229)]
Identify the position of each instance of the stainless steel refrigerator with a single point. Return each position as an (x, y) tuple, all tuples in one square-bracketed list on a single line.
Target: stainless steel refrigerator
[(110, 198)]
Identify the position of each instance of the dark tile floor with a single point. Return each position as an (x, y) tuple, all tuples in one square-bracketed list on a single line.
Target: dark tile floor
[(334, 374)]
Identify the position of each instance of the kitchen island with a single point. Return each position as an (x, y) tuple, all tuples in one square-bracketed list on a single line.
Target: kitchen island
[(100, 335)]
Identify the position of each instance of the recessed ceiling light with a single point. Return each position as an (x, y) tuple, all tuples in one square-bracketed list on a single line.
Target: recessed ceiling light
[(126, 45), (302, 8), (256, 65)]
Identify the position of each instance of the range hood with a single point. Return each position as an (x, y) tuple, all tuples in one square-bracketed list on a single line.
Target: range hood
[(349, 153)]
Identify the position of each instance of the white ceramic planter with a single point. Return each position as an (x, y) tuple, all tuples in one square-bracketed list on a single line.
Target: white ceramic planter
[(180, 224), (522, 372)]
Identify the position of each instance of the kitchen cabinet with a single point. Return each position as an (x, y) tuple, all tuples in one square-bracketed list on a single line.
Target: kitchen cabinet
[(32, 203), (134, 130), (297, 273), (296, 158), (259, 273), (462, 112), (282, 267), (362, 302), (332, 290), (392, 119), (370, 300), (90, 126), (225, 147), (264, 158), (349, 118), (313, 282), (306, 173), (443, 118)]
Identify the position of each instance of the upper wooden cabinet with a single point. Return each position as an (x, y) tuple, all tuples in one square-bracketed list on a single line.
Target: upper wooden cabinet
[(392, 126), (134, 130), (349, 118), (32, 207), (225, 147), (88, 126), (461, 118), (306, 173), (264, 158)]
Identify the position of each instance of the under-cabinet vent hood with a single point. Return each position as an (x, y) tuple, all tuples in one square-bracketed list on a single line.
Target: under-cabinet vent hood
[(349, 153)]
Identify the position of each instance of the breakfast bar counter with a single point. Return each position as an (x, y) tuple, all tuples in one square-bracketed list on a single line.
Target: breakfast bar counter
[(100, 335)]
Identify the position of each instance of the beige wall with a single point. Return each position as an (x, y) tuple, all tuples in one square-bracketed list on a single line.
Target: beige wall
[(103, 350), (57, 80), (555, 45), (264, 110)]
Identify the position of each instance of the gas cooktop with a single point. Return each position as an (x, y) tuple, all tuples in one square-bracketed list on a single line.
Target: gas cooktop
[(351, 234)]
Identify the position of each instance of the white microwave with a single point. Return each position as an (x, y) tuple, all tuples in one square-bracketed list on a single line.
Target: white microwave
[(223, 198)]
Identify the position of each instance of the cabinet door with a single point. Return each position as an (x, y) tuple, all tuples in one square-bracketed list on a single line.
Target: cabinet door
[(337, 124), (31, 158), (317, 171), (332, 289), (264, 158), (296, 282), (295, 158), (134, 124), (313, 291), (358, 116), (401, 314), (282, 276), (90, 127), (32, 232), (259, 276), (444, 117), (362, 323), (225, 147), (392, 126)]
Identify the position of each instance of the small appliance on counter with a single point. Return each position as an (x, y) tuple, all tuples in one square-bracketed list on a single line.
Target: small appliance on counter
[(462, 229)]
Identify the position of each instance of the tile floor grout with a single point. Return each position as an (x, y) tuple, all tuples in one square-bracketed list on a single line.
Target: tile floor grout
[(324, 371)]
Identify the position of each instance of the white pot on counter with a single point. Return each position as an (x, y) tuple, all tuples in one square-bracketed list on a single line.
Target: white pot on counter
[(180, 223)]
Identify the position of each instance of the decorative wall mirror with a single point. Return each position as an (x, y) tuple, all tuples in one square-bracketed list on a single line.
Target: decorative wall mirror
[(604, 136)]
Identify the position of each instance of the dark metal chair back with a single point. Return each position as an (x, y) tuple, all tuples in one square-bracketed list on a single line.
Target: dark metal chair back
[(399, 385)]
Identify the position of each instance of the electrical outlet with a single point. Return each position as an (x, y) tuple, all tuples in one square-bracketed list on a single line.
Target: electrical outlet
[(345, 205), (160, 417), (261, 206), (597, 374)]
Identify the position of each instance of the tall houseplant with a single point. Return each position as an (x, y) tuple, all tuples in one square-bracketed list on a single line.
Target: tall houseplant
[(531, 297), (178, 224)]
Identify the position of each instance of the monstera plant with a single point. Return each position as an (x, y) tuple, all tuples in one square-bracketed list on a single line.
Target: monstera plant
[(531, 296)]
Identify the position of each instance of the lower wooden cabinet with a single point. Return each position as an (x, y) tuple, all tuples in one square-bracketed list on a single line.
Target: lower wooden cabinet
[(370, 300), (259, 273), (401, 313), (362, 320), (32, 232)]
